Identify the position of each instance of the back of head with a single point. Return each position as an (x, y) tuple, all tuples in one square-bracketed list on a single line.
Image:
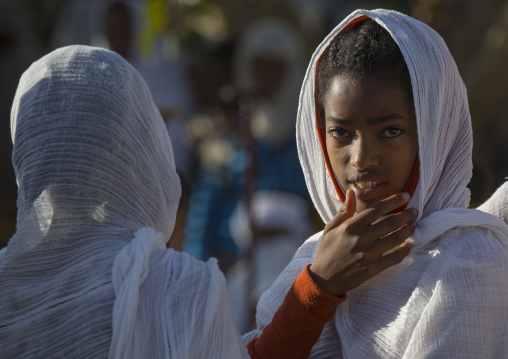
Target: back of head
[(93, 163), (90, 146)]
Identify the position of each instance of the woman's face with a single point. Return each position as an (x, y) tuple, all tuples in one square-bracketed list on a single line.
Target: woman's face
[(371, 137)]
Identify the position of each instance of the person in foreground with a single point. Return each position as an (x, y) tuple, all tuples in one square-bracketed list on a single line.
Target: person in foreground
[(87, 273), (384, 138)]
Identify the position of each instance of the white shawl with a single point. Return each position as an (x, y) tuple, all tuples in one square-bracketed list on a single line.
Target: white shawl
[(497, 204), (87, 274), (448, 298)]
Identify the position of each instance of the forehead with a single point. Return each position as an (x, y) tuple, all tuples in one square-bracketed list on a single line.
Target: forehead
[(349, 97)]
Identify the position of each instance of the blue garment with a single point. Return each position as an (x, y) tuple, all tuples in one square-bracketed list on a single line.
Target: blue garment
[(216, 192)]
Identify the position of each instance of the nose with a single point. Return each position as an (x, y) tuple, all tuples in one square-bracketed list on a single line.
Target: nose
[(364, 153)]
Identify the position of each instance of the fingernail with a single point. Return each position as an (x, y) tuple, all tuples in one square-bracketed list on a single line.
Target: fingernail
[(406, 245), (405, 195), (415, 211)]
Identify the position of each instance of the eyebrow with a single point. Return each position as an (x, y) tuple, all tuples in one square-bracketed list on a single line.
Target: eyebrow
[(370, 121)]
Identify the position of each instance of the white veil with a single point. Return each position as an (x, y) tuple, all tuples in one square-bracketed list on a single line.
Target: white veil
[(87, 274), (448, 297)]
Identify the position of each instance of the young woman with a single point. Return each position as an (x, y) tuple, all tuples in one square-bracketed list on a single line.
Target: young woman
[(383, 114)]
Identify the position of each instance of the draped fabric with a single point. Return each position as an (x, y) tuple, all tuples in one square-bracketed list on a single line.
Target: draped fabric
[(497, 204), (448, 298), (87, 274)]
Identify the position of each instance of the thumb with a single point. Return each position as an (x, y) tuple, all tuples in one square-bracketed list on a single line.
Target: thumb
[(347, 211)]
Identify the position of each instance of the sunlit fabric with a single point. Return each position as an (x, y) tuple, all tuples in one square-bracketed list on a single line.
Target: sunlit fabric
[(87, 274), (448, 298), (497, 204)]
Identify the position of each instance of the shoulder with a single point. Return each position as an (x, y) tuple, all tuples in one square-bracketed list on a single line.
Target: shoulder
[(473, 245), (469, 260), (197, 315), (182, 271)]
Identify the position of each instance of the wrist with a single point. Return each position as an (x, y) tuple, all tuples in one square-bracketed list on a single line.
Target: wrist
[(323, 283)]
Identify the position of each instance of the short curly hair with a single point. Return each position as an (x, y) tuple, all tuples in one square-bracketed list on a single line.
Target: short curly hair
[(362, 51)]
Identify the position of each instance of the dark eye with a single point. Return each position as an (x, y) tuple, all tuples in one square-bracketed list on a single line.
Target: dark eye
[(338, 133), (391, 132)]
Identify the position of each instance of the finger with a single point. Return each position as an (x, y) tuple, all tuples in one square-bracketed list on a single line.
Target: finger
[(392, 241), (395, 257), (382, 208), (390, 224), (345, 212)]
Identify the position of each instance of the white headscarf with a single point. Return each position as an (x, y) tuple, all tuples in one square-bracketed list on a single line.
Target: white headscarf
[(87, 274), (449, 297)]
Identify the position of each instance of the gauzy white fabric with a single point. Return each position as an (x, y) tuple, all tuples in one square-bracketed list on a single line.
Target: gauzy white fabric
[(87, 274), (497, 204), (448, 298)]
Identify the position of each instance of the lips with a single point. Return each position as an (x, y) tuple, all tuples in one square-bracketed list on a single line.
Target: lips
[(367, 186)]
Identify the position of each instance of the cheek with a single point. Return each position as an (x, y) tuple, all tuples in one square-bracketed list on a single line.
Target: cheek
[(402, 159), (339, 157)]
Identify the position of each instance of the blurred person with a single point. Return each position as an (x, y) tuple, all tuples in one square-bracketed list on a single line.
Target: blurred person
[(268, 67), (269, 232), (385, 142), (216, 185), (254, 151), (273, 219), (87, 273)]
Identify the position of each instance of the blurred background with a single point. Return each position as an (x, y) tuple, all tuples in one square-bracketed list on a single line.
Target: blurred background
[(226, 75)]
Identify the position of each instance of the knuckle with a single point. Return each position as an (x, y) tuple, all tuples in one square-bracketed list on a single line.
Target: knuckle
[(360, 256), (355, 246), (348, 229)]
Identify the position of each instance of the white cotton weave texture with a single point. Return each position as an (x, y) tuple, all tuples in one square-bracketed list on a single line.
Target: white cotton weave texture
[(87, 275), (497, 204), (448, 298)]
